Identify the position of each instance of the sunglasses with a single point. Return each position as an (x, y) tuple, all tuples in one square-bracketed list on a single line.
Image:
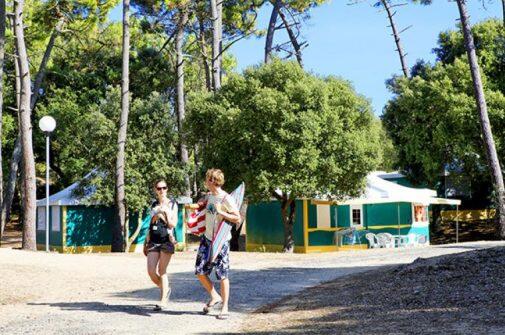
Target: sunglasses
[(162, 188)]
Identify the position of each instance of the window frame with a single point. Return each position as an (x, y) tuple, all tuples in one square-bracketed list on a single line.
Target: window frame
[(351, 209), (425, 213)]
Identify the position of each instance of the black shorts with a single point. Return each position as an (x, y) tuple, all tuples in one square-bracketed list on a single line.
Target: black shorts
[(159, 247)]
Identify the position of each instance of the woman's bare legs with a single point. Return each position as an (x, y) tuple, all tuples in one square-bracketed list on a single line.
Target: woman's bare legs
[(152, 262), (162, 271)]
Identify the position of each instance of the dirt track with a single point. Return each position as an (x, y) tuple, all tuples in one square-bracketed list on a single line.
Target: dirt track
[(104, 293)]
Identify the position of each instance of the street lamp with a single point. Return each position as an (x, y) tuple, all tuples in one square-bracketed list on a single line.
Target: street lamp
[(47, 125)]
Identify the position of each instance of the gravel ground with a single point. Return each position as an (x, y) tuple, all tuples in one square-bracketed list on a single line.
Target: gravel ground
[(111, 293), (449, 294)]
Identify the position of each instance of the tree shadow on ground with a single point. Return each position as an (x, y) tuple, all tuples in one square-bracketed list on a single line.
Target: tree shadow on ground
[(452, 294), (249, 289), (100, 307)]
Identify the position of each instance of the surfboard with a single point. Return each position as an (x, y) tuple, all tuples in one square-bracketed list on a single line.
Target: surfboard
[(224, 228)]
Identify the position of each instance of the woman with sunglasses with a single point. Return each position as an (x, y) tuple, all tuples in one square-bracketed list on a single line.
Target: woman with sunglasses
[(160, 241)]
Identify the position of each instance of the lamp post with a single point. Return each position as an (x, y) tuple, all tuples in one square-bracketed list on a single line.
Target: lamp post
[(47, 125)]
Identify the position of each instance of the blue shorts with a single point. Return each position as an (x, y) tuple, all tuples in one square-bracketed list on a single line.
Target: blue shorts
[(221, 264)]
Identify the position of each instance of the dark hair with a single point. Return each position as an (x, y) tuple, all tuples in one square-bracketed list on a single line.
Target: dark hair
[(159, 180)]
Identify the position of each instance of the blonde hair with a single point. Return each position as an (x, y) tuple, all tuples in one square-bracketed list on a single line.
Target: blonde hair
[(215, 176)]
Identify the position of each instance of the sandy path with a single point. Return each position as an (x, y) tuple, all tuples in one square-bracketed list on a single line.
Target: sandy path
[(104, 293)]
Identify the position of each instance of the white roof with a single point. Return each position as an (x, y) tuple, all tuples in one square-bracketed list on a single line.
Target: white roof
[(390, 175), (67, 197), (379, 190)]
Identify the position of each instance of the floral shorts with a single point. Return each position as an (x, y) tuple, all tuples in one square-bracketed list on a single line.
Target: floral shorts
[(221, 264)]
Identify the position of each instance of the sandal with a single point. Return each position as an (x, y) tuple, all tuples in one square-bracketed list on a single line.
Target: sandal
[(222, 316), (208, 306), (158, 308), (169, 291)]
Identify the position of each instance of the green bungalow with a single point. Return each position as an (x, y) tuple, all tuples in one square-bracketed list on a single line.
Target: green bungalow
[(387, 206), (78, 228)]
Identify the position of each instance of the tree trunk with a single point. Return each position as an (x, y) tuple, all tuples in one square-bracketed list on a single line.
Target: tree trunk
[(181, 106), (120, 230), (135, 233), (205, 57), (29, 210), (292, 38), (217, 41), (396, 35), (493, 161), (41, 73), (503, 11), (288, 207), (11, 183), (195, 172), (2, 58), (271, 30), (16, 154)]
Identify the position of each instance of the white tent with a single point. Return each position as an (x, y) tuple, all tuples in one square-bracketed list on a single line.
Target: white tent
[(379, 190), (66, 197)]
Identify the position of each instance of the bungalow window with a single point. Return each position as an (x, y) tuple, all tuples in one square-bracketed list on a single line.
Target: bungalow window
[(356, 216), (420, 213)]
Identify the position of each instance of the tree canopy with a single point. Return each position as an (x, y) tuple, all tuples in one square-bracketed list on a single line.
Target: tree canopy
[(278, 127), (432, 117)]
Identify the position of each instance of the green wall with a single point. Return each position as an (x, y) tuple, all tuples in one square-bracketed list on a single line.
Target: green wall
[(89, 225), (264, 223), (343, 216), (387, 214)]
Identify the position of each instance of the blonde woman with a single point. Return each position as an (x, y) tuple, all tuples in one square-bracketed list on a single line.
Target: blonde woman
[(160, 242)]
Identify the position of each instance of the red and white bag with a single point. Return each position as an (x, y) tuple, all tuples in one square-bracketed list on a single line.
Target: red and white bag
[(195, 222)]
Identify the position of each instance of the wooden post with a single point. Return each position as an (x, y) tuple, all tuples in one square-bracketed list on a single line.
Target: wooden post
[(398, 213), (305, 225), (457, 223)]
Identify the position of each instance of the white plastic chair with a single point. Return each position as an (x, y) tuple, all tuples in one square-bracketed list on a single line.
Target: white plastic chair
[(373, 241), (421, 240), (412, 240), (386, 240), (401, 241)]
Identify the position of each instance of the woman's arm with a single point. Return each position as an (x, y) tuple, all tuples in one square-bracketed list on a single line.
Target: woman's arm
[(171, 214), (146, 242)]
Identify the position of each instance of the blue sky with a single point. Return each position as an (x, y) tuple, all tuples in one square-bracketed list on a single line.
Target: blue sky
[(354, 41)]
